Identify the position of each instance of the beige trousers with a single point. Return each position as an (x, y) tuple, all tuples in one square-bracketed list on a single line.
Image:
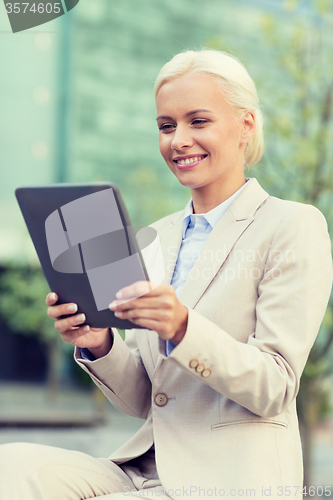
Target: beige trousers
[(38, 472)]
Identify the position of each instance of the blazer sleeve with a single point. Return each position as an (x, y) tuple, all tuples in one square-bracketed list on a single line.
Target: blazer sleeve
[(263, 374), (121, 376)]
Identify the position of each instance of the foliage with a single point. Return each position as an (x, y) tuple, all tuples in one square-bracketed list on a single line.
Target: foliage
[(299, 127), (22, 304), (23, 290)]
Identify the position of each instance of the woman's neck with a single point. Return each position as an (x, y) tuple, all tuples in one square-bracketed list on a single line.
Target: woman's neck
[(205, 200)]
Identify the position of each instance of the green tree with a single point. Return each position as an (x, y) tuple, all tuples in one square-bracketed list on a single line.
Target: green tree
[(23, 290)]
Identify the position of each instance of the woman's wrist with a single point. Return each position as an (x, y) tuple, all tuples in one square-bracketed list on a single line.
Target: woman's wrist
[(105, 347), (180, 333)]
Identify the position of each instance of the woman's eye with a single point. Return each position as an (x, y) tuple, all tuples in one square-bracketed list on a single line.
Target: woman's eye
[(199, 121), (166, 127)]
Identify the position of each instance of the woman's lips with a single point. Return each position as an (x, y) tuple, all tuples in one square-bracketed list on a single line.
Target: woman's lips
[(187, 162)]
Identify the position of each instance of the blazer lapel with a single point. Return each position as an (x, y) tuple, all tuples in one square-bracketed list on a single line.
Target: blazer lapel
[(170, 244), (221, 241)]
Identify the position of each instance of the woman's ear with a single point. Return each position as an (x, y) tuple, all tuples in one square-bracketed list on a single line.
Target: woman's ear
[(249, 127)]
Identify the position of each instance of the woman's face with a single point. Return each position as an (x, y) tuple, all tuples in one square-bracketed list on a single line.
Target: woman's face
[(200, 138)]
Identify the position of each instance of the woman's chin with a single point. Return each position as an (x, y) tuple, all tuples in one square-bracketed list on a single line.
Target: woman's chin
[(188, 180)]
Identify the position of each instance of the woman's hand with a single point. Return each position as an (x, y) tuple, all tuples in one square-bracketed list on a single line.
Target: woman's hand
[(97, 340), (158, 310)]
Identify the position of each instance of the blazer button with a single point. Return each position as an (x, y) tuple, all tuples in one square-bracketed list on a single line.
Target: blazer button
[(200, 368), (206, 373), (161, 399), (194, 363)]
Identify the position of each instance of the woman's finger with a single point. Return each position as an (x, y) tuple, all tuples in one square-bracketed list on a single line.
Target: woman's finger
[(62, 325), (165, 324), (142, 303), (62, 309), (75, 334), (131, 296), (137, 289), (156, 314), (51, 299)]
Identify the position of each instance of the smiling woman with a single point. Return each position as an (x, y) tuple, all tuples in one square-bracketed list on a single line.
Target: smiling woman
[(216, 368)]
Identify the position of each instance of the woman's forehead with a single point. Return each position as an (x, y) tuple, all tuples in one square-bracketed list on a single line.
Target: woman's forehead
[(189, 81), (193, 90)]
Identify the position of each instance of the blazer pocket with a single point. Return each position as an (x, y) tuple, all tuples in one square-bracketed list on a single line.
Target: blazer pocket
[(274, 423)]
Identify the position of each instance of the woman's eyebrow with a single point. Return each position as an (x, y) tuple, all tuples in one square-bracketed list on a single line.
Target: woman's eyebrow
[(164, 117), (198, 111)]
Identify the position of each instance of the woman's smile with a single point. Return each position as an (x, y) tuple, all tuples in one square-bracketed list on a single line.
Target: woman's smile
[(186, 162)]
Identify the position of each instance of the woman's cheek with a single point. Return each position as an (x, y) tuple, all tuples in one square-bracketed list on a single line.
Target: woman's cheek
[(165, 148)]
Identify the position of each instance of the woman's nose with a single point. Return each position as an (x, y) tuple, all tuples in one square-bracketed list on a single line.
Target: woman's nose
[(181, 138)]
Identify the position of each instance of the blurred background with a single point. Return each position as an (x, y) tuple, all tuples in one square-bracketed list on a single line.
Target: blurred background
[(76, 105)]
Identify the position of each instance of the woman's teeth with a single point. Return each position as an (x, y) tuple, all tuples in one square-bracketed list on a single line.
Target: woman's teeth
[(188, 161)]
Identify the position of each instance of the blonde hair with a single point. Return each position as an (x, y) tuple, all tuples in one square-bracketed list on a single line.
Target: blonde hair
[(237, 87)]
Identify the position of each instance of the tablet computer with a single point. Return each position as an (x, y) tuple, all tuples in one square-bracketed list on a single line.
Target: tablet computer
[(86, 245)]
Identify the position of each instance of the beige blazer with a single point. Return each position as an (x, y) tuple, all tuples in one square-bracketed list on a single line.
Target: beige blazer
[(221, 408)]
